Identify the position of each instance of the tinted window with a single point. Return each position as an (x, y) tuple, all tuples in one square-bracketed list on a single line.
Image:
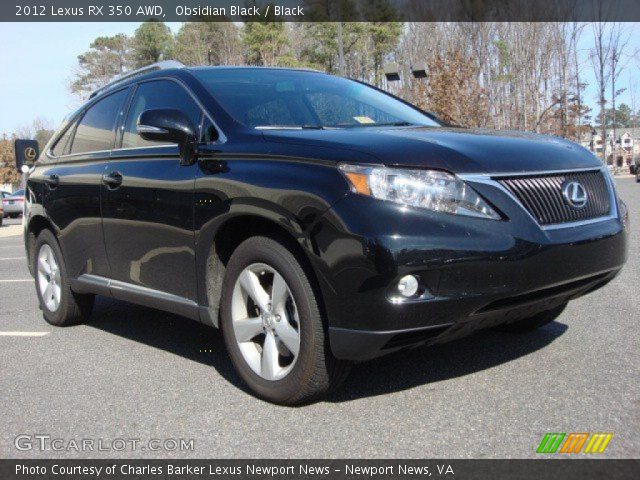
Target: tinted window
[(61, 146), (275, 112), (337, 110), (154, 95), (286, 98), (209, 132), (96, 130)]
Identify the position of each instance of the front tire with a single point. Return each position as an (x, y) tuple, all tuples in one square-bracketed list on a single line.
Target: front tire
[(532, 323), (60, 305), (273, 327)]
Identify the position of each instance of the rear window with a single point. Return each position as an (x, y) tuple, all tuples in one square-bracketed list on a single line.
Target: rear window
[(96, 130)]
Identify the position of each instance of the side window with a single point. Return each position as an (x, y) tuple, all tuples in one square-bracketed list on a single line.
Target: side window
[(61, 146), (209, 132), (153, 95), (96, 130)]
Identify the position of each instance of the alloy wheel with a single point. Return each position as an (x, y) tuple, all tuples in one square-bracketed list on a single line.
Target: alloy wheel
[(49, 278), (265, 321)]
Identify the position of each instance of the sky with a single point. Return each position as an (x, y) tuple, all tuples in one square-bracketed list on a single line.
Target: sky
[(39, 61)]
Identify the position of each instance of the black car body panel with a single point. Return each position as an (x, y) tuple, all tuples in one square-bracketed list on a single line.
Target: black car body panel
[(450, 149), (151, 239)]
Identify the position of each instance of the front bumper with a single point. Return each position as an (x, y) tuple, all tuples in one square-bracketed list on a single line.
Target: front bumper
[(478, 273)]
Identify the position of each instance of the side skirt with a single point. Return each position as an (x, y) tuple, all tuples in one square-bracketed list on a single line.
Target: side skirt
[(148, 297)]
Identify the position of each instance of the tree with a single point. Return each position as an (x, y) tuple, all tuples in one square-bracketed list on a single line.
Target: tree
[(267, 43), (452, 92), (106, 58), (40, 129), (208, 43), (151, 42), (384, 32), (619, 40), (621, 117), (334, 38), (599, 55), (332, 46), (8, 172)]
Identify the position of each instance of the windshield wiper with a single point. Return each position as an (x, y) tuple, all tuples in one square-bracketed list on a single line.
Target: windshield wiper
[(289, 127), (389, 124)]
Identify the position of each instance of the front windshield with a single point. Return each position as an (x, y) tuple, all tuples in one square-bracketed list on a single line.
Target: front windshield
[(271, 98)]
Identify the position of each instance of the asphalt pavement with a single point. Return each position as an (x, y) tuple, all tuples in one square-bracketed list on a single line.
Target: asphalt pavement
[(132, 375)]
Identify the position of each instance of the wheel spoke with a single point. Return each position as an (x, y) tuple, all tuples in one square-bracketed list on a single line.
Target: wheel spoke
[(247, 328), (50, 260), (56, 295), (279, 292), (48, 292), (289, 336), (269, 365), (251, 285), (44, 266)]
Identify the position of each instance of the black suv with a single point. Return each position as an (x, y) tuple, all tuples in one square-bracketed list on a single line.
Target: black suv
[(316, 220)]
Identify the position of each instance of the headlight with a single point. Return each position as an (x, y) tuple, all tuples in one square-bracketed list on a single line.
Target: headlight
[(430, 189)]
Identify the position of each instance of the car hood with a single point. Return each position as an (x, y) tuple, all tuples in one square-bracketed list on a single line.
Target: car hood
[(453, 149)]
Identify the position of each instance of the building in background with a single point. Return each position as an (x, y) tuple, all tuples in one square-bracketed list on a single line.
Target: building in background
[(620, 152)]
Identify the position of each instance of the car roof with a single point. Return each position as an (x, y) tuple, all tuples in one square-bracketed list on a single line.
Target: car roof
[(178, 71), (250, 67)]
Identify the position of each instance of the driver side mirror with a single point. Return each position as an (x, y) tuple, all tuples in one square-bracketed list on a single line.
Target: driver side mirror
[(171, 126)]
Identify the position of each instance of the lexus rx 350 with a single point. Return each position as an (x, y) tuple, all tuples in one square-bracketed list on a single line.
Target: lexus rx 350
[(316, 220)]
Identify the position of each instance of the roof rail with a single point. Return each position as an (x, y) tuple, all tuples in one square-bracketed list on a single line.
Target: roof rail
[(140, 71)]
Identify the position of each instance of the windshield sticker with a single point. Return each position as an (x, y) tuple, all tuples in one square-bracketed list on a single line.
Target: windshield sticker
[(364, 119)]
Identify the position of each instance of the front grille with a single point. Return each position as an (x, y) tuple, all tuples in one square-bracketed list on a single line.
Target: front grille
[(542, 196)]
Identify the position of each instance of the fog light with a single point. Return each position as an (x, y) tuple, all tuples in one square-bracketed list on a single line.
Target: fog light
[(408, 286)]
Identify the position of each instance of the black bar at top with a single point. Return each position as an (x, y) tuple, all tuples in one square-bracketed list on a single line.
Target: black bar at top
[(321, 10)]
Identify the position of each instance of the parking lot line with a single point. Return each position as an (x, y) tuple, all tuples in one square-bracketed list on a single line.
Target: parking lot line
[(23, 334), (17, 280), (12, 258)]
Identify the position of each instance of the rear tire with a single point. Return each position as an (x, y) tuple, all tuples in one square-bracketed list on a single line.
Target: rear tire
[(532, 323), (293, 378), (60, 305)]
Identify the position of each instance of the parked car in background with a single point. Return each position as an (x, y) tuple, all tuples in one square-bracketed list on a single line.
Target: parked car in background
[(13, 204), (635, 169), (3, 194), (317, 220)]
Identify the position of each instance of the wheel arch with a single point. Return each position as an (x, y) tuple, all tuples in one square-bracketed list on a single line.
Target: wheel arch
[(35, 225), (217, 244)]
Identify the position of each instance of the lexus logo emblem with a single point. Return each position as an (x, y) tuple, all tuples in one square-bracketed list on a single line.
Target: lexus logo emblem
[(574, 194), (30, 153)]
